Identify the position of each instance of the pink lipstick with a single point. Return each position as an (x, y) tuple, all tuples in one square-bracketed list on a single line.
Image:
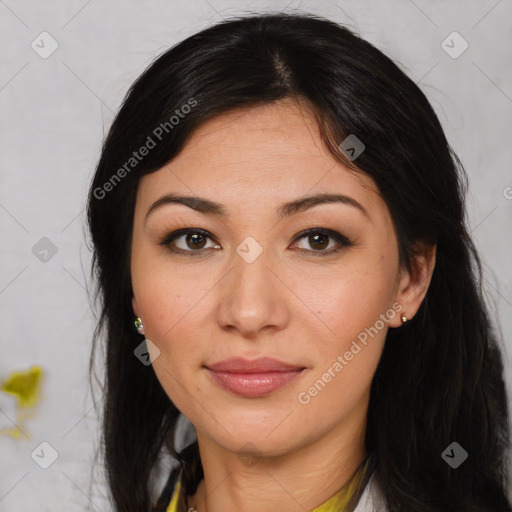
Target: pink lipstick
[(253, 378)]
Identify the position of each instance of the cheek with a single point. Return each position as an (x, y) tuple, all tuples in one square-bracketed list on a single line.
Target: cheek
[(172, 318), (168, 295), (346, 353), (344, 302), (352, 310), (172, 310), (178, 319)]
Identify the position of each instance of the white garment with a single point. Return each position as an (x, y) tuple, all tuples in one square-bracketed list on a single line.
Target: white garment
[(371, 499)]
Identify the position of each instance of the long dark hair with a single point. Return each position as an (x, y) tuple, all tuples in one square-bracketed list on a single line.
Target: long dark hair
[(440, 377)]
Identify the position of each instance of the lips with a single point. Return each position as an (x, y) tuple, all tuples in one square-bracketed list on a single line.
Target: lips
[(253, 378), (260, 365)]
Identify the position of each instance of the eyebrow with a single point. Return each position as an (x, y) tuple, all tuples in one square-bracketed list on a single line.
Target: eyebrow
[(210, 207)]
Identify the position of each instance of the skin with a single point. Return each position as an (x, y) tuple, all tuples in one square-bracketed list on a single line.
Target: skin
[(272, 452)]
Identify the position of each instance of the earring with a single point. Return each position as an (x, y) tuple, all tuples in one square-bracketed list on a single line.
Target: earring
[(403, 318), (138, 325)]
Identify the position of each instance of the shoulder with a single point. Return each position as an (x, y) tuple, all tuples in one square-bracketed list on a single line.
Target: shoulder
[(371, 500)]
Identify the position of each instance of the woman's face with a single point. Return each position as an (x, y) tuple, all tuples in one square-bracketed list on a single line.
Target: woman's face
[(249, 284)]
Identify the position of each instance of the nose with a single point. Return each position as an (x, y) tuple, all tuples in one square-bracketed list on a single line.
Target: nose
[(254, 298)]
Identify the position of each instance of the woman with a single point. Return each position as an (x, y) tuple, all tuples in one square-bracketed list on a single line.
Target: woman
[(282, 257)]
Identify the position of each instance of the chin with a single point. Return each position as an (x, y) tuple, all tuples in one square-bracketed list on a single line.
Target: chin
[(255, 438)]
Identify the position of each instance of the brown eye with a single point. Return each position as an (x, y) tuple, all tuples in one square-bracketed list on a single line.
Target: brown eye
[(195, 240), (188, 241), (319, 239)]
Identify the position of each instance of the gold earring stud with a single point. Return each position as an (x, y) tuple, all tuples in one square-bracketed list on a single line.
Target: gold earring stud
[(403, 318), (138, 325)]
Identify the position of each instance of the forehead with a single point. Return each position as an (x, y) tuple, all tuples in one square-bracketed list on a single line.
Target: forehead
[(258, 156)]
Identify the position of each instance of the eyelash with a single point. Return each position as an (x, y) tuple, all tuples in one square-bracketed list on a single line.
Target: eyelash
[(342, 240)]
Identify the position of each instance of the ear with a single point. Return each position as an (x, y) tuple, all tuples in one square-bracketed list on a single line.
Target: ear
[(135, 306), (413, 285)]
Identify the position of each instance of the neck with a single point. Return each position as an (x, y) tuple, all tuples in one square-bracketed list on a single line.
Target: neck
[(302, 479)]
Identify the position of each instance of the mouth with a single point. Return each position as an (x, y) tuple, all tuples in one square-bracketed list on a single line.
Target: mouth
[(253, 378)]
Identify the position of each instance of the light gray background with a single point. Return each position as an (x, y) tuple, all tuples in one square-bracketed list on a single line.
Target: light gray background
[(54, 113)]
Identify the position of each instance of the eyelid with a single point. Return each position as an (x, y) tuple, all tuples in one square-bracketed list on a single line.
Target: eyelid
[(306, 227)]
